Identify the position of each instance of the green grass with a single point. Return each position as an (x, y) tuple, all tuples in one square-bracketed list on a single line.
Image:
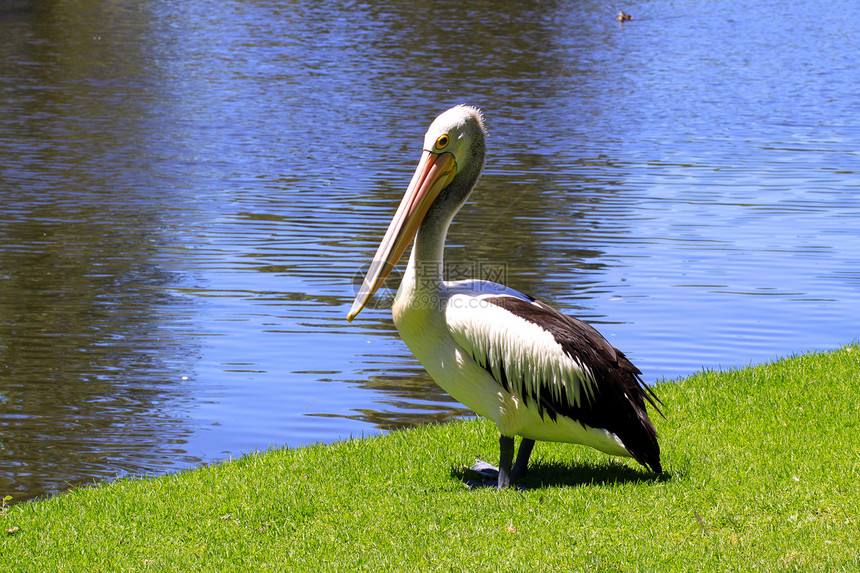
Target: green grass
[(762, 473)]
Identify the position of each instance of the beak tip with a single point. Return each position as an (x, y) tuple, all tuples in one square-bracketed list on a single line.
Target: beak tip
[(357, 306)]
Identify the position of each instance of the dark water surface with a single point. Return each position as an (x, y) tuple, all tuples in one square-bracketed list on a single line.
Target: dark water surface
[(188, 189)]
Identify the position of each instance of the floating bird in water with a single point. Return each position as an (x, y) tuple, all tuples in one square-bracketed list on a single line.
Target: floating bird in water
[(535, 372), (623, 16)]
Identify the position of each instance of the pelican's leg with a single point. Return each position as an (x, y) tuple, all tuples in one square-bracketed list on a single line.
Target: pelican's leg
[(506, 459), (522, 465)]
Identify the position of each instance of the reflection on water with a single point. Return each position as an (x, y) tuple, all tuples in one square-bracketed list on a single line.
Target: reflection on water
[(188, 191)]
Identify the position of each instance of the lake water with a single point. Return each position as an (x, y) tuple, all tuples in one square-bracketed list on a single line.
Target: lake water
[(189, 192)]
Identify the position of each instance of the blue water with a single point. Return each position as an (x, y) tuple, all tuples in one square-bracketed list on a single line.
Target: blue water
[(190, 192)]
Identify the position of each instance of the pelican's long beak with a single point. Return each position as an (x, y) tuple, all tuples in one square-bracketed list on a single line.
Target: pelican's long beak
[(435, 172)]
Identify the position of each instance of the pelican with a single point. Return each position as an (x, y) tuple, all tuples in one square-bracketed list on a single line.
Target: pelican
[(535, 372)]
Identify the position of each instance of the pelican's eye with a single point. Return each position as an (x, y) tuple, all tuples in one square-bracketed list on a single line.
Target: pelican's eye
[(442, 142)]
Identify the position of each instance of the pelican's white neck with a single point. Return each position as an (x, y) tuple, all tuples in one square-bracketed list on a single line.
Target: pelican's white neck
[(424, 273)]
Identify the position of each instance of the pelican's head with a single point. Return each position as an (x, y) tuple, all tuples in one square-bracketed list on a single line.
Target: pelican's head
[(457, 131), (450, 165)]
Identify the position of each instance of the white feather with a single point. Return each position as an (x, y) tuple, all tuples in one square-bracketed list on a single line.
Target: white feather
[(534, 363)]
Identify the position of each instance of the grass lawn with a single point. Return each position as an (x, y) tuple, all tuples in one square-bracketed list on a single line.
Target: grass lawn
[(762, 472)]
